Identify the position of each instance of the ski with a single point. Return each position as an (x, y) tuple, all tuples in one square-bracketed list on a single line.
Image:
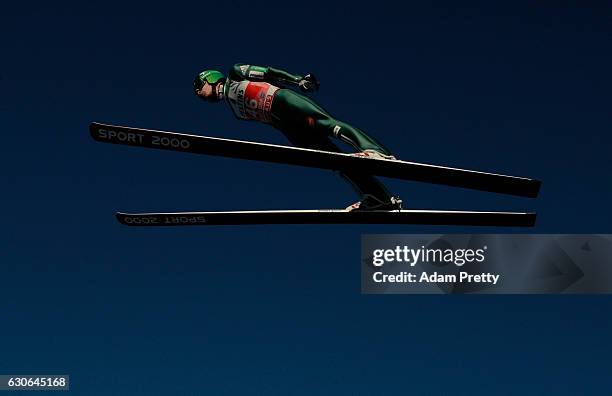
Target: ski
[(427, 173), (330, 216)]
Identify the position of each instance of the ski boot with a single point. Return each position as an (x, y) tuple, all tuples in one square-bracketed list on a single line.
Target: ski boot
[(373, 154), (370, 202)]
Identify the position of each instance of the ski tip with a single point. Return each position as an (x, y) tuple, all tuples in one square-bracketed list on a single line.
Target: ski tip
[(140, 219), (120, 216), (93, 130)]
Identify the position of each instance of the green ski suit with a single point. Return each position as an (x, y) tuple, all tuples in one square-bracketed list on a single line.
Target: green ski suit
[(256, 93)]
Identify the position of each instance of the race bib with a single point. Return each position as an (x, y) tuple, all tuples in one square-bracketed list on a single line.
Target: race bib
[(251, 100)]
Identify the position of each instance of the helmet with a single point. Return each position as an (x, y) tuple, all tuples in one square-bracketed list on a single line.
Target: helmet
[(212, 77)]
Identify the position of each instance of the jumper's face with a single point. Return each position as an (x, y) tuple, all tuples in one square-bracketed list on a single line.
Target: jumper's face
[(206, 91), (211, 93)]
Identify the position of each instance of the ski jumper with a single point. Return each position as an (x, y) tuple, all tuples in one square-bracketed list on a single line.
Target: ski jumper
[(255, 93)]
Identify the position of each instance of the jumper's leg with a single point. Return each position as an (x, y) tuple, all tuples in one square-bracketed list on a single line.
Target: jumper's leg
[(306, 124), (363, 184), (305, 112)]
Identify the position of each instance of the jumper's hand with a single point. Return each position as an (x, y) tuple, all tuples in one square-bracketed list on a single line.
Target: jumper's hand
[(309, 83)]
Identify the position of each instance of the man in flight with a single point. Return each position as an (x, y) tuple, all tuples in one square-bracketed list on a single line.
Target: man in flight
[(261, 94)]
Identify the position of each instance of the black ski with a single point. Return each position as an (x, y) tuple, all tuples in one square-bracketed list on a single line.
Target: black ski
[(330, 216), (434, 174)]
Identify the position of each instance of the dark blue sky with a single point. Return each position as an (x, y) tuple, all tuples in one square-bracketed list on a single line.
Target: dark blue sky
[(513, 87)]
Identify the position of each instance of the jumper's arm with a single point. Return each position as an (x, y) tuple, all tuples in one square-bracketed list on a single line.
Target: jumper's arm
[(274, 76)]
